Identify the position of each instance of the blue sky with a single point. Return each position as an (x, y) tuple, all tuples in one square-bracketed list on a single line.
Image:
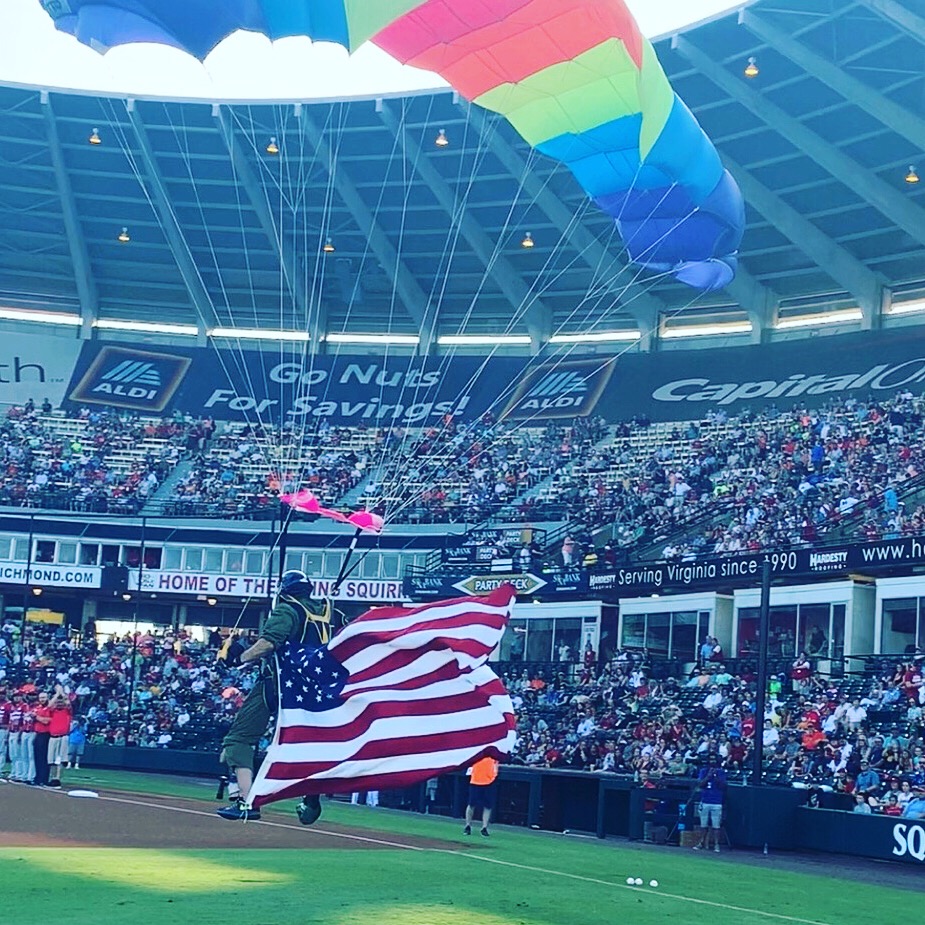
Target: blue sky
[(245, 66)]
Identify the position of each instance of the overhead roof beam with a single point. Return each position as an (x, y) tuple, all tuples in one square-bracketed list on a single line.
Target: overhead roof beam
[(900, 16), (179, 248), (417, 303), (87, 292), (901, 120), (845, 269), (635, 300), (883, 197), (758, 301), (537, 316), (290, 263)]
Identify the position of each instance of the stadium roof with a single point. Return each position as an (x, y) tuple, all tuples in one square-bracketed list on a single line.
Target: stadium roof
[(224, 234)]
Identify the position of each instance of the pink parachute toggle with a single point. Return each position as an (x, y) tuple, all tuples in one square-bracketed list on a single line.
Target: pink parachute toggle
[(305, 501)]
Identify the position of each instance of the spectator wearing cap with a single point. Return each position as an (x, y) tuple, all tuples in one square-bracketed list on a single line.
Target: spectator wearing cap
[(915, 808), (868, 780)]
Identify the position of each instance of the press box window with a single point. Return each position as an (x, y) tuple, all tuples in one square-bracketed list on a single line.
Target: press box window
[(44, 550), (89, 554), (67, 553)]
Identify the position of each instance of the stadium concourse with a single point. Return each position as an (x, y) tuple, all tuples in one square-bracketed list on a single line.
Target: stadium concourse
[(419, 308)]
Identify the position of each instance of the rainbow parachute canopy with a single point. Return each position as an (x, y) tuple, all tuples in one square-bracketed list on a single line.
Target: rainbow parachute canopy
[(576, 78)]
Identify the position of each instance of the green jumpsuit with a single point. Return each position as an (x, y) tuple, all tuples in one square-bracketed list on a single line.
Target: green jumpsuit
[(294, 619)]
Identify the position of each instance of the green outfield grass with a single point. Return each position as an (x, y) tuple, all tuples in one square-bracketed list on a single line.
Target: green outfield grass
[(515, 878)]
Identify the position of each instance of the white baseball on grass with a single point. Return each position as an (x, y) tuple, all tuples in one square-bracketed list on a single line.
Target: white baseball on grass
[(638, 881), (653, 883), (630, 881)]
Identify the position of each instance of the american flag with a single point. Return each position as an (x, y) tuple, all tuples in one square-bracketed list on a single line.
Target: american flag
[(396, 697)]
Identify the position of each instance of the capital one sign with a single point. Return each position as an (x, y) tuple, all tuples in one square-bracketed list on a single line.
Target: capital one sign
[(910, 841)]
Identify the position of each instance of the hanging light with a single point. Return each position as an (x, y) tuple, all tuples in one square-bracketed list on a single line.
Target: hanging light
[(441, 141), (329, 247), (124, 236), (528, 241), (272, 146), (94, 138), (751, 69), (912, 176)]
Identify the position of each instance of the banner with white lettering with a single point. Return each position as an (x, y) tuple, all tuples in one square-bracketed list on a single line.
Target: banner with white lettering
[(371, 391), (36, 367), (370, 591)]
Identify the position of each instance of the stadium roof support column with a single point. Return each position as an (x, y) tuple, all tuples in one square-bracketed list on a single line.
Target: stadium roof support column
[(537, 316), (900, 210), (901, 120), (901, 15), (759, 303), (846, 270), (179, 248), (76, 242), (291, 265), (417, 303), (637, 302)]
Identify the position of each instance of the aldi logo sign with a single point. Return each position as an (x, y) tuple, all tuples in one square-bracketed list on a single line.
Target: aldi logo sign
[(135, 379), (564, 390)]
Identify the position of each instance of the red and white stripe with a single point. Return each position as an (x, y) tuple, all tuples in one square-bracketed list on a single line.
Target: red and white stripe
[(420, 700)]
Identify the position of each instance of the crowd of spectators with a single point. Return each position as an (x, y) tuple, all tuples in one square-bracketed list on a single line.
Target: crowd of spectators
[(96, 460), (469, 472), (244, 469), (756, 481), (854, 738), (628, 716)]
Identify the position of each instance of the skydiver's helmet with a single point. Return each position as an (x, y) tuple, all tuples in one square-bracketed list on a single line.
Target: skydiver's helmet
[(295, 583)]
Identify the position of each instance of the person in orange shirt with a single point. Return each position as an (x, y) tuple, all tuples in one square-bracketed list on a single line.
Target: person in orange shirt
[(483, 792)]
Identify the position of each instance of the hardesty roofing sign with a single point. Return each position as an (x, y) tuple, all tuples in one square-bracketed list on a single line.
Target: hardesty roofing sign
[(373, 591)]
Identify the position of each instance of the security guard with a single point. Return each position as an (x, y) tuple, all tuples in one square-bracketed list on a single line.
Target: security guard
[(295, 618)]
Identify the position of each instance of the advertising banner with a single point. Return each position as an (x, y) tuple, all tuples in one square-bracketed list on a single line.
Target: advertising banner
[(52, 576), (250, 385), (201, 584), (36, 367), (706, 573)]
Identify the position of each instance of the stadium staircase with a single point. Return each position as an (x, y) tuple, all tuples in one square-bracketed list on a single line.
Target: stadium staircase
[(156, 504)]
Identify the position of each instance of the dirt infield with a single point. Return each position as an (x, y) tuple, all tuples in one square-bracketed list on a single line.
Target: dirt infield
[(32, 817)]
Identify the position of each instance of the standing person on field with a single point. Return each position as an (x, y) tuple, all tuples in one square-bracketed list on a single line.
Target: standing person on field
[(483, 793), (296, 619), (76, 742), (27, 743), (59, 728), (17, 771), (6, 707), (711, 782)]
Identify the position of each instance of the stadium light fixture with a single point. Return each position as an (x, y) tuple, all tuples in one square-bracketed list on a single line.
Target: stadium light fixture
[(124, 236), (484, 340), (441, 141), (24, 314), (37, 592), (145, 327), (528, 241), (399, 340), (843, 316), (94, 138), (272, 146), (259, 334), (329, 247), (707, 330), (912, 176), (597, 337), (751, 69)]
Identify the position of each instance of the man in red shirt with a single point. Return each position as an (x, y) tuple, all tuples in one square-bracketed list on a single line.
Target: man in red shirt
[(58, 729), (42, 735)]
